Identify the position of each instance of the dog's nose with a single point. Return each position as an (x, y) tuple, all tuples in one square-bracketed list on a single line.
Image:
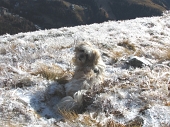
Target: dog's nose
[(82, 57), (96, 70)]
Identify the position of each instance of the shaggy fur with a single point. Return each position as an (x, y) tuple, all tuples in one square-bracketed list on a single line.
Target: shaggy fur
[(69, 103), (89, 71)]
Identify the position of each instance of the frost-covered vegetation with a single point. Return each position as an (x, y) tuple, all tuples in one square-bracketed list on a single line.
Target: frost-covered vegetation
[(35, 66)]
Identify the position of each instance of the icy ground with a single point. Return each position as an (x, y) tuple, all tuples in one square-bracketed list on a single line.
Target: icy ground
[(130, 96)]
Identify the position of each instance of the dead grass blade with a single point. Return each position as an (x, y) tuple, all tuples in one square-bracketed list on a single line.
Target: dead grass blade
[(69, 115), (53, 72)]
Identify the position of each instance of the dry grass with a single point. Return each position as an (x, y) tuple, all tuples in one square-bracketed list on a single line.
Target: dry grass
[(135, 124), (86, 120), (126, 48), (72, 116), (163, 55), (126, 44), (139, 53), (53, 72), (69, 115), (113, 124), (115, 55), (148, 3), (167, 104), (167, 54)]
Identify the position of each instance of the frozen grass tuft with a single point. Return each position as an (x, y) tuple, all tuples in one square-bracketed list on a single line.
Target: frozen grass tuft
[(166, 56), (126, 44), (86, 120), (53, 72), (69, 115)]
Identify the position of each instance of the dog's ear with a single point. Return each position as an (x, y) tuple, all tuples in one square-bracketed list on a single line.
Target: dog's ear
[(96, 57), (78, 47)]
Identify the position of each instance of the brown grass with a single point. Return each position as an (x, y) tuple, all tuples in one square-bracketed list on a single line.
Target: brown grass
[(113, 124), (69, 115), (148, 3), (53, 72), (139, 53), (126, 44), (115, 55), (164, 55), (167, 54), (167, 104), (86, 120)]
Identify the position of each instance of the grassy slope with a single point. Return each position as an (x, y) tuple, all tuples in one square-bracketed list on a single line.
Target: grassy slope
[(148, 3), (130, 9), (30, 63), (14, 24)]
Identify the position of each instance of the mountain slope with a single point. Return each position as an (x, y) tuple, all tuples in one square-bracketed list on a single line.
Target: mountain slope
[(60, 13), (130, 9), (34, 65), (14, 24), (57, 13)]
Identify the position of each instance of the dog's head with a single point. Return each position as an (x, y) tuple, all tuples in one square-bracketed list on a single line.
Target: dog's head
[(86, 55)]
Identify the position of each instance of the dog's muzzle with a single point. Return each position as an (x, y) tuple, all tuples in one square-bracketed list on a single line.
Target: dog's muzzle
[(82, 57)]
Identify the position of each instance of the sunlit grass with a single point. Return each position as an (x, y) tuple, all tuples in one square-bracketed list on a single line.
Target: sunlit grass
[(85, 120), (53, 72), (126, 44), (69, 115), (167, 54)]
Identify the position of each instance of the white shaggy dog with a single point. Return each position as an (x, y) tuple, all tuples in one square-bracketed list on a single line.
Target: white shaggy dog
[(89, 71)]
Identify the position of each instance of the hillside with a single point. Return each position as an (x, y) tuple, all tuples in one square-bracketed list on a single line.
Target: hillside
[(57, 13), (47, 14), (34, 67), (130, 9), (14, 24)]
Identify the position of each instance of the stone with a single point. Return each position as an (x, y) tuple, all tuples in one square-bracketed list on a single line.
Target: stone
[(138, 62)]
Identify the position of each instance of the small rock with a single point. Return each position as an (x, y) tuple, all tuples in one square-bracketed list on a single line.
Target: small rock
[(139, 62)]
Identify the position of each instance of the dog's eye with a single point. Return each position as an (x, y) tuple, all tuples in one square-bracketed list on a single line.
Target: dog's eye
[(82, 50)]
